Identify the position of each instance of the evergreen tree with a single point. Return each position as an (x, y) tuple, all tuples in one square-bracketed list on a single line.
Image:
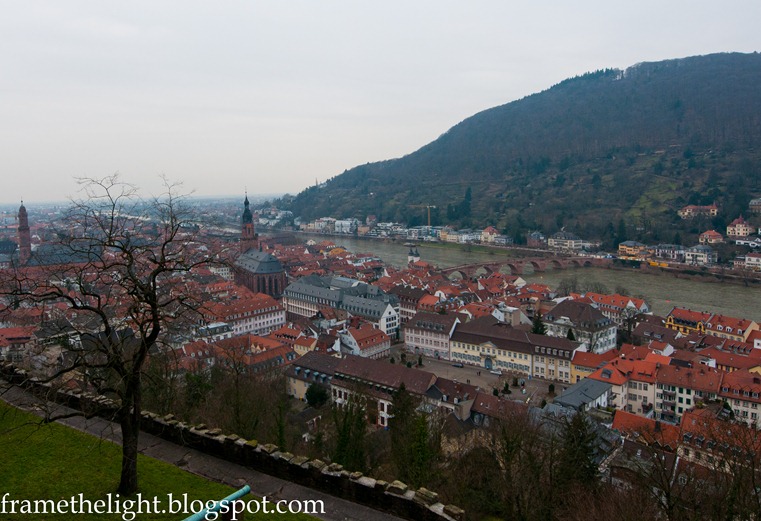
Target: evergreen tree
[(570, 336), (538, 326), (621, 233), (317, 395), (418, 470), (350, 438), (576, 464), (414, 447), (400, 425)]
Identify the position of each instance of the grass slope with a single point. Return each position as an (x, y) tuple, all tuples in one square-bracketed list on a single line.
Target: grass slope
[(57, 462)]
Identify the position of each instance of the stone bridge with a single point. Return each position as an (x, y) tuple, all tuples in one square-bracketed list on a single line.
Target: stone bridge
[(518, 266)]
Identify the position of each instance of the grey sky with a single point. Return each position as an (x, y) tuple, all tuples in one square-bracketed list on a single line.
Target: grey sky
[(273, 95)]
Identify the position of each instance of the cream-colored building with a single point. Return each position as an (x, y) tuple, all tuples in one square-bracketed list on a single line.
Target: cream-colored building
[(496, 346)]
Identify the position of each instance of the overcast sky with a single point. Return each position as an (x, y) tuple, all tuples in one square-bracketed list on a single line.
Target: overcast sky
[(271, 96)]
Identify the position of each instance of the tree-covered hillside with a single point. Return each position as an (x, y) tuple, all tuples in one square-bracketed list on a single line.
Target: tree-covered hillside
[(633, 145)]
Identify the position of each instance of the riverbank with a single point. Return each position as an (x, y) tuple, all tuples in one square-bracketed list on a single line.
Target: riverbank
[(663, 289), (697, 274), (443, 254), (512, 251)]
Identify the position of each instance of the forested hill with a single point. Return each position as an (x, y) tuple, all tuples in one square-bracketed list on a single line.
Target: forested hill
[(587, 153)]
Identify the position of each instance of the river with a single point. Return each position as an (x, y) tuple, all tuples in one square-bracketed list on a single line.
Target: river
[(661, 291)]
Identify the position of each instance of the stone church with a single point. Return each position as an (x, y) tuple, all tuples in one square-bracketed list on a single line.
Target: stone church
[(256, 269)]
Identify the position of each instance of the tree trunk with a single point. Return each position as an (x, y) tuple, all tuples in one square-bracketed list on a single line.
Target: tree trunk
[(130, 424), (128, 479)]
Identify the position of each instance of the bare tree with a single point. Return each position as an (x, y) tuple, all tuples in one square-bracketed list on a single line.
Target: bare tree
[(116, 271)]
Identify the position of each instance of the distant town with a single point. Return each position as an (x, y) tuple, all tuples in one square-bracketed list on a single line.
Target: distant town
[(474, 350)]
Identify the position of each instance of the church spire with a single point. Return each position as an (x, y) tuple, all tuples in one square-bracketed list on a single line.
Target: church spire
[(24, 236), (248, 238)]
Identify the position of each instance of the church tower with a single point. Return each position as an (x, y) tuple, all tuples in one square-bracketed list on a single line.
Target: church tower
[(24, 237), (248, 237)]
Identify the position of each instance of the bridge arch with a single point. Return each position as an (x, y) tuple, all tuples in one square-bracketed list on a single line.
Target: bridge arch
[(457, 274), (482, 270), (537, 266)]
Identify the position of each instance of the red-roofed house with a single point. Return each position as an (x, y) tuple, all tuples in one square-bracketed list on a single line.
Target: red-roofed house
[(258, 314), (742, 391), (618, 379), (688, 212), (618, 307), (304, 345), (16, 343), (706, 439), (739, 228), (681, 388), (710, 237), (687, 321), (585, 363), (730, 360), (254, 353), (730, 327), (489, 234), (366, 341), (428, 303), (646, 430)]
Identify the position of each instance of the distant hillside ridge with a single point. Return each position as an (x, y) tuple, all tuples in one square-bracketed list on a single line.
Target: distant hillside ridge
[(606, 149)]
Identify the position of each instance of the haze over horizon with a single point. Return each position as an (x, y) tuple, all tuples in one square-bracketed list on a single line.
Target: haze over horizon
[(272, 97)]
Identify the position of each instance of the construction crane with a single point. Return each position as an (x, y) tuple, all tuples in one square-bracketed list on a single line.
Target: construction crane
[(428, 206)]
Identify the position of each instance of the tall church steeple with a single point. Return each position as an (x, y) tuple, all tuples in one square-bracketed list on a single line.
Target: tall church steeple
[(248, 237), (24, 237)]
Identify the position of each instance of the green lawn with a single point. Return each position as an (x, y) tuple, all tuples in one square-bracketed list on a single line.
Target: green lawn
[(54, 462)]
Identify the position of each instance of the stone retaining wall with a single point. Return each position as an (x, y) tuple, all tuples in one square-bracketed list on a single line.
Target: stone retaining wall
[(395, 498)]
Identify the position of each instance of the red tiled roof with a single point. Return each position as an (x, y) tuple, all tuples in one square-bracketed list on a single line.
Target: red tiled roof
[(729, 325), (495, 407), (646, 430), (612, 375), (594, 360), (689, 315), (743, 382), (702, 378), (367, 336), (614, 301), (731, 359)]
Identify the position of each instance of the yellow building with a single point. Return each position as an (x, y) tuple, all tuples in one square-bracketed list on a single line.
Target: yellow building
[(312, 368)]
